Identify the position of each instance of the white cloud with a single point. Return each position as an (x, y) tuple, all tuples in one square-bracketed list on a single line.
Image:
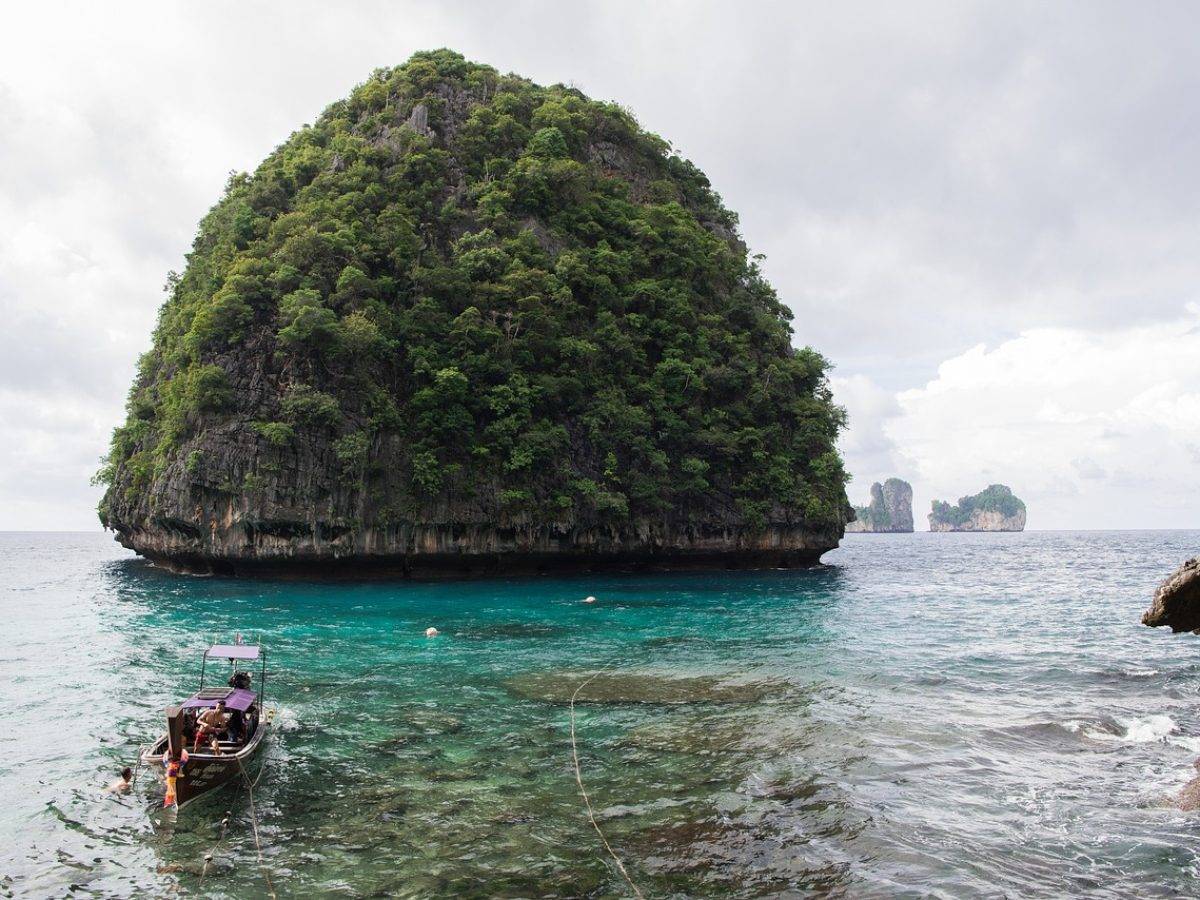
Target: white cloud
[(48, 455), (1092, 429), (870, 454)]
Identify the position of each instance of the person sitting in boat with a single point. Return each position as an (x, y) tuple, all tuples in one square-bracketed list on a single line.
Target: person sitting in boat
[(237, 726), (240, 680), (189, 726), (211, 723)]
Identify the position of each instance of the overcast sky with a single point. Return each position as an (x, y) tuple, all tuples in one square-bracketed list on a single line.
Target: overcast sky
[(985, 214)]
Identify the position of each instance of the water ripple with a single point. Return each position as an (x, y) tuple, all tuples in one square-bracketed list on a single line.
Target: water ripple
[(928, 715)]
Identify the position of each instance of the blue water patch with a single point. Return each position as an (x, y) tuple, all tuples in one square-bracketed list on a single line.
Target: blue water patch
[(963, 714)]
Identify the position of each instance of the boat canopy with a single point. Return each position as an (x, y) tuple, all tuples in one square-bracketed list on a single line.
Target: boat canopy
[(235, 698), (232, 651)]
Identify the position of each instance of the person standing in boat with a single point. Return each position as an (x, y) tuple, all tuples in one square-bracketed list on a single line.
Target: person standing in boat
[(211, 723)]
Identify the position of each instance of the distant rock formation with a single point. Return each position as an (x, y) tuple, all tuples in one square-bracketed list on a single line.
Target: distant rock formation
[(890, 509), (993, 509), (1176, 603)]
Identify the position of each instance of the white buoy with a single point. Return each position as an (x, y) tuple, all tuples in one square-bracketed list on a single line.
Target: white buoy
[(589, 599), (431, 632)]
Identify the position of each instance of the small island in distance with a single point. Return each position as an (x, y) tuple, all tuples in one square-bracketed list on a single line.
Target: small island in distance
[(890, 509), (994, 509)]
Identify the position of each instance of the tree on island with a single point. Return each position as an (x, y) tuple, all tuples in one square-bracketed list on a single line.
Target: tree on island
[(995, 508)]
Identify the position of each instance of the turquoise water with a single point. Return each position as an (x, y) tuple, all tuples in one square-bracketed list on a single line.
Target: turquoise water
[(945, 715)]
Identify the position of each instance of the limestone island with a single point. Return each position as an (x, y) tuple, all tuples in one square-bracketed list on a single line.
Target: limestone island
[(462, 324), (890, 509), (994, 509)]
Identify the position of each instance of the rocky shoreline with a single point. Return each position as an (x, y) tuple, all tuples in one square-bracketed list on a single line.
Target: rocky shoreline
[(982, 520), (1176, 603), (301, 520), (241, 549)]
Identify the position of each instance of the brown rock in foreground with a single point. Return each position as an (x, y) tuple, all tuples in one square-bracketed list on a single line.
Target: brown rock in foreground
[(1189, 795), (1177, 601)]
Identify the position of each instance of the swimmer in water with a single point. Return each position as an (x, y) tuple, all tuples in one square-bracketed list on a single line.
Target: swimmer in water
[(122, 784)]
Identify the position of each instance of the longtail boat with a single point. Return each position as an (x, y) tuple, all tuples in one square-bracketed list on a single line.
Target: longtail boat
[(192, 766)]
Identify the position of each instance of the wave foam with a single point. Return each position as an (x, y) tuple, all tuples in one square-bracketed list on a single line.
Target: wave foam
[(1143, 730), (286, 719)]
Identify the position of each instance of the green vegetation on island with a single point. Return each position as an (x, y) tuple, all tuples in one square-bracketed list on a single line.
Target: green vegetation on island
[(995, 508), (461, 297)]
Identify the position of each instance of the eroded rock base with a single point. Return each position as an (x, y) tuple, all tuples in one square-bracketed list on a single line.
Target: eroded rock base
[(480, 566)]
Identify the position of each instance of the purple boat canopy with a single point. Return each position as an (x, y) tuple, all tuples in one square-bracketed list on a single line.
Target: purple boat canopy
[(235, 698), (232, 651)]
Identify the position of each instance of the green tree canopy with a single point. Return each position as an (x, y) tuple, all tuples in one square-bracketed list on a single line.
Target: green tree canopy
[(472, 292)]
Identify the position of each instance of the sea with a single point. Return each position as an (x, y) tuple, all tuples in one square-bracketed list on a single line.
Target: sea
[(923, 715)]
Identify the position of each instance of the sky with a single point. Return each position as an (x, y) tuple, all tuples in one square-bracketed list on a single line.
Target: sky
[(986, 215)]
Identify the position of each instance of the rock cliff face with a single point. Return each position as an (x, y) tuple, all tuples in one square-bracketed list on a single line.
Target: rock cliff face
[(1176, 603), (994, 509), (890, 509), (981, 520), (464, 323)]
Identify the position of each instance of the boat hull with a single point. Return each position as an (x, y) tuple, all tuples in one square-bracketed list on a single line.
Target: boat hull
[(204, 773)]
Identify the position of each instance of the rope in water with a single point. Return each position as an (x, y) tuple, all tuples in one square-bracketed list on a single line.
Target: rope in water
[(583, 791), (208, 857), (254, 825)]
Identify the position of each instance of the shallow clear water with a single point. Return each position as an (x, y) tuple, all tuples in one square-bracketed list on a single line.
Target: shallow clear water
[(948, 715)]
